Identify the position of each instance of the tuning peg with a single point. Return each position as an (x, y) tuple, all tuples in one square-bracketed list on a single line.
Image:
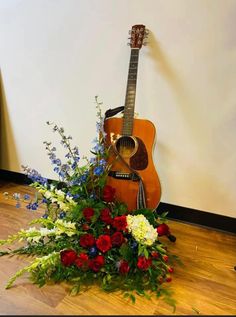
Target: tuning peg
[(130, 31), (146, 31), (145, 43), (128, 44)]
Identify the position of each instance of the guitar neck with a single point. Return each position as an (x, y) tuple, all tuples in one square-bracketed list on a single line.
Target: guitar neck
[(130, 93)]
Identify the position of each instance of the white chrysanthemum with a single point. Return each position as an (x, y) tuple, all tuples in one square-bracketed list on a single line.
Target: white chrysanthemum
[(140, 228)]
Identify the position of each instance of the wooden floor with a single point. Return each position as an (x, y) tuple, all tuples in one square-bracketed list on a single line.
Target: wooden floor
[(206, 285)]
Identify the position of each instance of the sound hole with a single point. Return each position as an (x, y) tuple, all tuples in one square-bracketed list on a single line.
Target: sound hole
[(126, 146)]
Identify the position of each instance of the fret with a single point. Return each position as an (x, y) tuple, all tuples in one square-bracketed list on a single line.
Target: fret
[(130, 93)]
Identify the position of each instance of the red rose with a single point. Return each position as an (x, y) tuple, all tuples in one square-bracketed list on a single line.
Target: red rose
[(170, 269), (85, 227), (68, 257), (120, 223), (117, 239), (124, 267), (104, 243), (155, 254), (163, 230), (108, 193), (87, 240), (168, 279), (96, 263), (105, 216), (88, 213), (165, 258), (82, 260), (143, 263)]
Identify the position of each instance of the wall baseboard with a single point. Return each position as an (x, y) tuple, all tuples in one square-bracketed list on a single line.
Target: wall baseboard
[(198, 217), (14, 177), (175, 212)]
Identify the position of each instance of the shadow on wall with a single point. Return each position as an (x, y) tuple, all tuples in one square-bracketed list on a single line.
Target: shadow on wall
[(187, 105), (164, 67), (8, 154)]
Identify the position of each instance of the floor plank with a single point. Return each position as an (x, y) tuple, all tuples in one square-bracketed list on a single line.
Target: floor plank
[(206, 284)]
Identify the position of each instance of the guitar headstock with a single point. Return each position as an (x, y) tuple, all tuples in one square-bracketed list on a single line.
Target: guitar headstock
[(138, 34)]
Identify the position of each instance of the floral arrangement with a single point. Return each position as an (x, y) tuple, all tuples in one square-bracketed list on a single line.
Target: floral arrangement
[(85, 236)]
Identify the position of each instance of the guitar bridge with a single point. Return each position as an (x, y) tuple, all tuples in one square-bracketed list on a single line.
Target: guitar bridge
[(125, 176)]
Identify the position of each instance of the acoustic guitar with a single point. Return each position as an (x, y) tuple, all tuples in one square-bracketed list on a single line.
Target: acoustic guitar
[(131, 141)]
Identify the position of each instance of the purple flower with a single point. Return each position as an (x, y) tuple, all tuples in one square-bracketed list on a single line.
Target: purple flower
[(33, 206), (74, 165), (34, 175), (56, 169), (18, 205), (62, 215), (98, 170), (93, 251), (102, 162), (26, 197)]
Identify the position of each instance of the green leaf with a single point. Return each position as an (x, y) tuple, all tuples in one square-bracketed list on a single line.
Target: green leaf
[(132, 297), (164, 214), (126, 295), (75, 290), (145, 251), (140, 249), (160, 249), (3, 253), (126, 252)]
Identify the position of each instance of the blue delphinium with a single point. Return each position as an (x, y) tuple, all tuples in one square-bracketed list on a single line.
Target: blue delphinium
[(18, 205), (44, 201), (62, 215), (33, 206), (98, 170), (102, 162), (93, 251), (98, 148), (26, 197), (34, 175), (134, 246)]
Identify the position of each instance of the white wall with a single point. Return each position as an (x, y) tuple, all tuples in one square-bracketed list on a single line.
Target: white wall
[(56, 55)]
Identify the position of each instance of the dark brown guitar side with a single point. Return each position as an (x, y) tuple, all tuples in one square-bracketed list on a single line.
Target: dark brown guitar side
[(131, 141)]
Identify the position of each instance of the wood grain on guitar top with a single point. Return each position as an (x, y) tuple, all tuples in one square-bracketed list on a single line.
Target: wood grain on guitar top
[(126, 190)]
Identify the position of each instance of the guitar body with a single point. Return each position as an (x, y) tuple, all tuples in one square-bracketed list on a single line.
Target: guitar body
[(136, 151)]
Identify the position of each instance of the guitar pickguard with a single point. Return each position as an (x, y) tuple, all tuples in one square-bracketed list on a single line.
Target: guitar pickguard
[(139, 161)]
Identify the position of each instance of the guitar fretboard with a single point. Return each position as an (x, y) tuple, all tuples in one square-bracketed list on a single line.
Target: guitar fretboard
[(130, 93)]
